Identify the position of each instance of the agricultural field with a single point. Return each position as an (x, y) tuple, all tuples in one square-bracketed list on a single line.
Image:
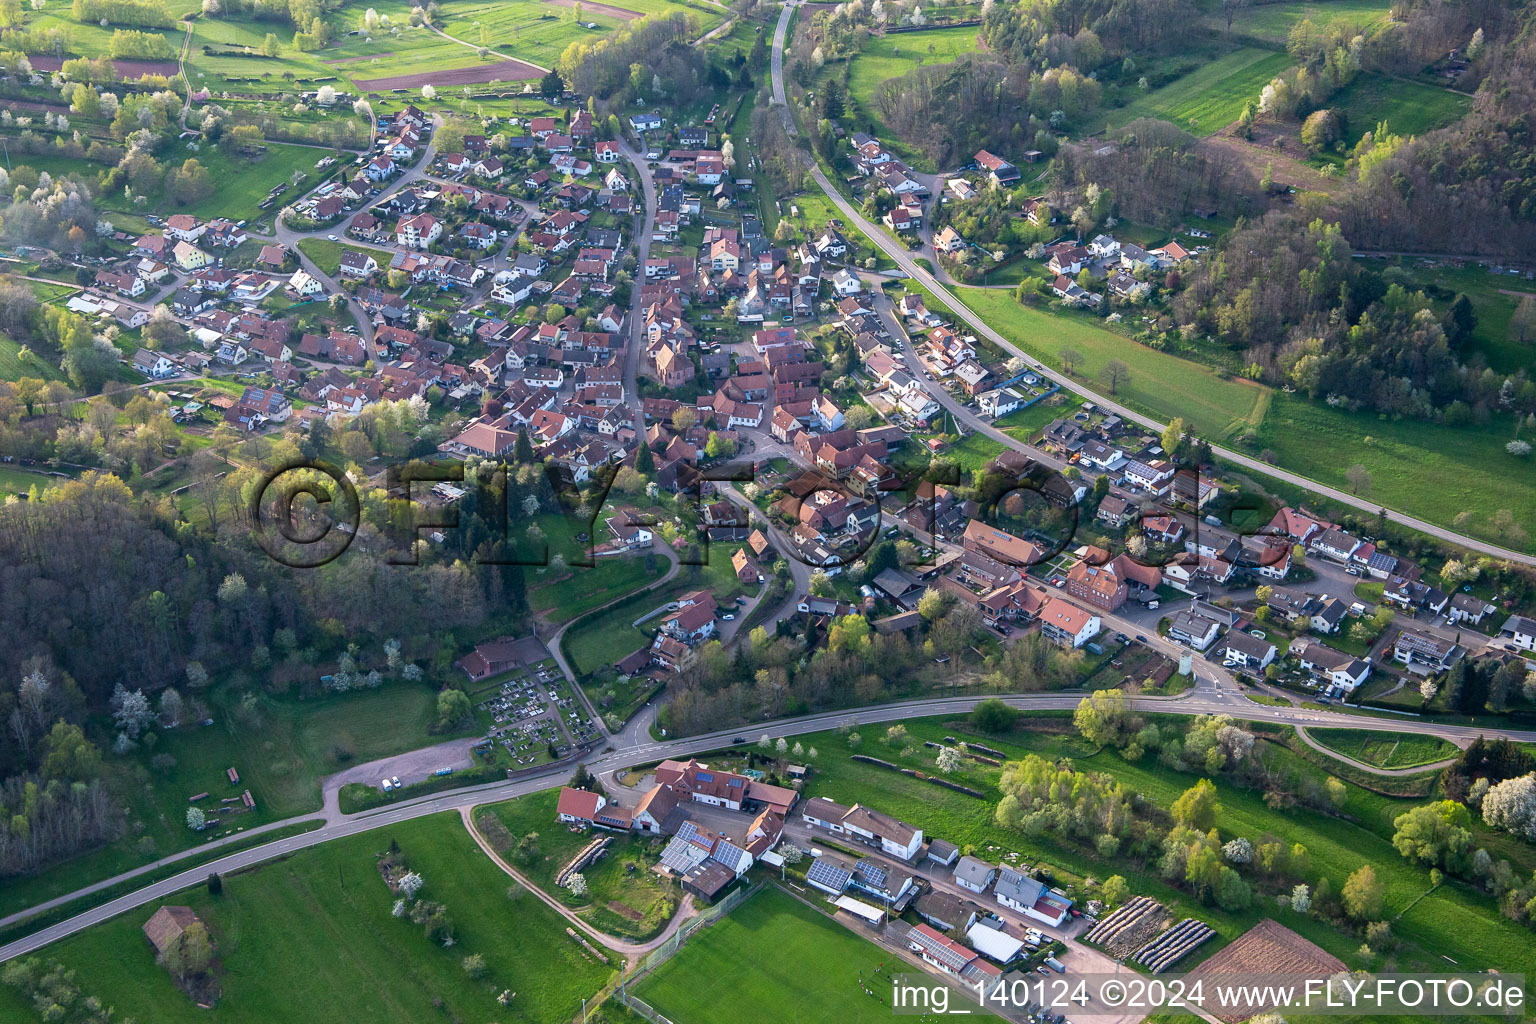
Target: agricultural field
[(1208, 99), (1385, 749), (812, 975), (315, 931), (1408, 108), (1337, 845)]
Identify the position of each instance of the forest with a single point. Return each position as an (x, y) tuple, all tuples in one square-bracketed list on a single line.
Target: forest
[(1286, 293)]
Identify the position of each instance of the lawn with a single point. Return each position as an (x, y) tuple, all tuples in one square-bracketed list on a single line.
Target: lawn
[(973, 452), (313, 935), (624, 897), (1027, 423), (1409, 108), (771, 959), (1385, 749), (1337, 844), (1207, 100), (327, 254)]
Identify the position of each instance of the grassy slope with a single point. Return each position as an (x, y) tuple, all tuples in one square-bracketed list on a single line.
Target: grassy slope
[(282, 762), (1409, 108), (1273, 22), (622, 876), (13, 368), (1337, 845), (315, 932), (1422, 468), (887, 57), (1385, 749), (1207, 100)]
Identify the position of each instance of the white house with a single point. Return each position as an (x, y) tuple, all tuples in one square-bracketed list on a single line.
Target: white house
[(1193, 629), (305, 285), (1330, 666), (154, 364), (1521, 632), (1068, 625), (845, 282), (974, 874)]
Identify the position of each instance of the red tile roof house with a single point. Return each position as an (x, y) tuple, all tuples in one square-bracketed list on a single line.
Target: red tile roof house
[(581, 807), (490, 659)]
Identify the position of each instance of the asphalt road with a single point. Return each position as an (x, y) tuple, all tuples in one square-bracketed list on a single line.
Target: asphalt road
[(903, 259), (635, 745)]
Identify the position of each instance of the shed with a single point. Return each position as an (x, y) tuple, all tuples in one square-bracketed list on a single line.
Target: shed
[(164, 929), (859, 908)]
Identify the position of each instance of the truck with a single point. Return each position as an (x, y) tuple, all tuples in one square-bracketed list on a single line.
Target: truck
[(1055, 965), (443, 771)]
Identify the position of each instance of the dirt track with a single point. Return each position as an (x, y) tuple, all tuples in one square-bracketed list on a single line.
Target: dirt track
[(360, 57), (606, 10), (496, 71)]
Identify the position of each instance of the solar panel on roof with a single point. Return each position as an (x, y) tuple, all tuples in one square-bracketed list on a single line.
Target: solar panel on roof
[(706, 777)]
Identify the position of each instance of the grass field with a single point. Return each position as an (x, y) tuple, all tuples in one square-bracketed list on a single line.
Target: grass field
[(1027, 423), (1220, 409), (524, 28), (1409, 108), (727, 972), (1207, 100), (891, 56), (1337, 845), (624, 897), (314, 931), (20, 481), (327, 254), (1272, 22), (607, 637), (1425, 469), (282, 760), (13, 367), (1494, 297), (1385, 749)]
